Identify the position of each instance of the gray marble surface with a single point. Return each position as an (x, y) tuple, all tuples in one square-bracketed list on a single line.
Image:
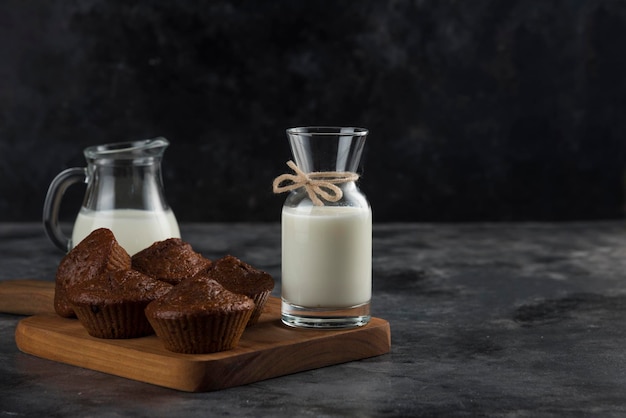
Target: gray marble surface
[(486, 320)]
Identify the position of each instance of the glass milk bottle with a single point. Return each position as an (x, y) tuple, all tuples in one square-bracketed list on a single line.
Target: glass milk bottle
[(326, 231), (124, 194)]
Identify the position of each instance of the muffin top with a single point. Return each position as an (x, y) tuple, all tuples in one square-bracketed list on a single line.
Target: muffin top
[(240, 277), (117, 287), (198, 296), (171, 260), (97, 253)]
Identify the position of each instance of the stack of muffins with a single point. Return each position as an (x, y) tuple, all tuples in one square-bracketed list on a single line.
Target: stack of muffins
[(193, 305)]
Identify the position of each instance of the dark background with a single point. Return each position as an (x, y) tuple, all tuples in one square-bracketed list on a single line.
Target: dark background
[(478, 110)]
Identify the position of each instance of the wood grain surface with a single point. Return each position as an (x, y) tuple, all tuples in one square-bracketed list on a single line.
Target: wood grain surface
[(26, 297), (266, 350)]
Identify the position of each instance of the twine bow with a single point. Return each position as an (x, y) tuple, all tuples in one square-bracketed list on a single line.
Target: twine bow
[(317, 184)]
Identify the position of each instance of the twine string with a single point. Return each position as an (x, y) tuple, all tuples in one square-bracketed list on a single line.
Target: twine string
[(317, 184)]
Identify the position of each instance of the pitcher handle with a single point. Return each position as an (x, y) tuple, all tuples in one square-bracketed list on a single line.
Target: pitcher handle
[(51, 206)]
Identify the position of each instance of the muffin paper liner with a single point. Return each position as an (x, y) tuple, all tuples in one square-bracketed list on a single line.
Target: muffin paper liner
[(202, 334)]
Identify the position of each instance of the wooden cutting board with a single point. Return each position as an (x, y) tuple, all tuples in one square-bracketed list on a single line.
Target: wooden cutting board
[(26, 297), (266, 350)]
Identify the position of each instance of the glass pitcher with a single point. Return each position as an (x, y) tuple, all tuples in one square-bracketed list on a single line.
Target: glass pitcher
[(326, 231), (124, 194)]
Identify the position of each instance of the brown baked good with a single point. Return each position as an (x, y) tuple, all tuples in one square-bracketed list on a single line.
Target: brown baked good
[(240, 277), (170, 260), (97, 253), (199, 316), (112, 304)]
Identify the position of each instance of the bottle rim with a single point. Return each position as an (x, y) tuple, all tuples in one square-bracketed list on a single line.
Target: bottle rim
[(327, 131)]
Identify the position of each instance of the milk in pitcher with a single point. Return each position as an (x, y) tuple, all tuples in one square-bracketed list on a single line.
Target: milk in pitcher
[(134, 229)]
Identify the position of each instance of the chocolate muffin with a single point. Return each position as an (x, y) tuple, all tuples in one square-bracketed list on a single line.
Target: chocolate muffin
[(242, 278), (112, 304), (171, 260), (199, 316), (97, 253)]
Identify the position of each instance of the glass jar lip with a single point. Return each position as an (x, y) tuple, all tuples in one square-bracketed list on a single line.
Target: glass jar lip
[(128, 150), (327, 130)]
